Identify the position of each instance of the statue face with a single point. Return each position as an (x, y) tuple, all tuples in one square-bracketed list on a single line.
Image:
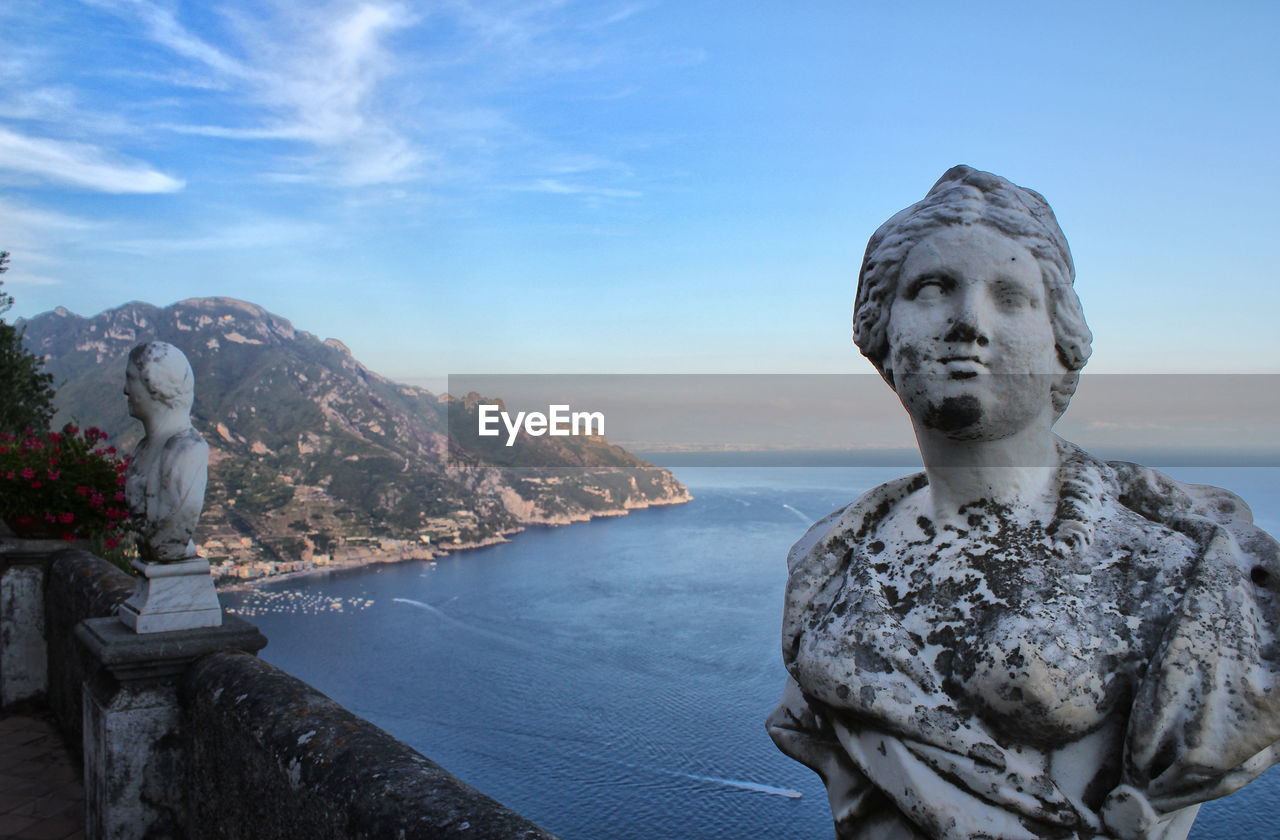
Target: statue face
[(971, 348), (141, 404), (133, 388)]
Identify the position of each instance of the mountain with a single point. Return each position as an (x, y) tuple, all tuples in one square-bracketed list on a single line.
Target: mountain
[(317, 460)]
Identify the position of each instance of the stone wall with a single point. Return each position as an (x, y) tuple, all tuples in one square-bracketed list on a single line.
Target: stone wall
[(273, 757), (23, 659), (80, 585)]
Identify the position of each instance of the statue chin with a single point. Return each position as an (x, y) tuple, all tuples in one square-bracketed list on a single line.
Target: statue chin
[(956, 416), (987, 407)]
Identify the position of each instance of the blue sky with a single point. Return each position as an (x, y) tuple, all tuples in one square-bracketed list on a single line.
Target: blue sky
[(660, 187)]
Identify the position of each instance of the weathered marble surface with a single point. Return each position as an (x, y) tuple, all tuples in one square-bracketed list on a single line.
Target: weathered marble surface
[(1022, 641), (165, 483), (164, 488)]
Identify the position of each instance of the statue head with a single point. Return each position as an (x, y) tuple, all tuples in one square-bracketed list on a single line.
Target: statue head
[(962, 197), (158, 378)]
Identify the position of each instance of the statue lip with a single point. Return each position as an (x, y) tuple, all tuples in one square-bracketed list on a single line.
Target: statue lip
[(962, 367)]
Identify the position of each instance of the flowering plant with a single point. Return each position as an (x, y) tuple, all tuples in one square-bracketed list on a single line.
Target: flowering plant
[(65, 485)]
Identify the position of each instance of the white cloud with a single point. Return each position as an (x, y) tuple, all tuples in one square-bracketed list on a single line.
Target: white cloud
[(23, 103), (558, 187), (36, 237), (31, 89), (80, 164), (18, 277), (19, 219), (313, 75), (351, 93), (577, 164), (624, 13), (164, 29), (256, 233)]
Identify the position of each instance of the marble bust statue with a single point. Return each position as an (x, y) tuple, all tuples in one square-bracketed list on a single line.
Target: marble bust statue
[(1023, 641), (165, 481)]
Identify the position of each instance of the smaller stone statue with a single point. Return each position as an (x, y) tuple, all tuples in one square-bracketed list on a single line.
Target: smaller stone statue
[(164, 488)]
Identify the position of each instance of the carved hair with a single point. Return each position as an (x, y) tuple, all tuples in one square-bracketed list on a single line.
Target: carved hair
[(165, 372), (967, 196)]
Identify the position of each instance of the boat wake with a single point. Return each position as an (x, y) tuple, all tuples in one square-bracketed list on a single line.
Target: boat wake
[(807, 519), (789, 793), (462, 625), (740, 784), (526, 646)]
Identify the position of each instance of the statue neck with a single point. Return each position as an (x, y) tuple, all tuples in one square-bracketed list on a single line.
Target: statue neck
[(163, 426), (1019, 471)]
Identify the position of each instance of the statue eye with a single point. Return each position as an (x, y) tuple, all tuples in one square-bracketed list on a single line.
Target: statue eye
[(1010, 297), (928, 288)]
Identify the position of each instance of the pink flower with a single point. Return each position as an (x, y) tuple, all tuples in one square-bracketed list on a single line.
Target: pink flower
[(27, 472), (37, 484), (112, 542), (66, 518), (69, 537), (71, 430), (119, 497), (54, 475), (96, 501), (82, 490)]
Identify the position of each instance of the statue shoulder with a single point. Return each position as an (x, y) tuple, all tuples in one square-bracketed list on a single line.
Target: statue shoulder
[(856, 519), (186, 447), (1158, 497), (817, 531)]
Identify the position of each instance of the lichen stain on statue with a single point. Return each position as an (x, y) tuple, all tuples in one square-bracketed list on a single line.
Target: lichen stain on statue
[(164, 488), (1022, 641)]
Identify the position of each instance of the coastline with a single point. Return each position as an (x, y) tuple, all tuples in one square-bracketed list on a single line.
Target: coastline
[(230, 584)]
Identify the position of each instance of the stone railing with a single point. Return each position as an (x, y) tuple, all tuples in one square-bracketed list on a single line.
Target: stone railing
[(78, 585), (273, 757), (189, 734)]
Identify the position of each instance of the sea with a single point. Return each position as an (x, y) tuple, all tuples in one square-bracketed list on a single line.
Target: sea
[(610, 680)]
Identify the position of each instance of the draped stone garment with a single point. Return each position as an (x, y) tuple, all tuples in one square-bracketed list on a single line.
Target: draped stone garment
[(164, 487), (1098, 678)]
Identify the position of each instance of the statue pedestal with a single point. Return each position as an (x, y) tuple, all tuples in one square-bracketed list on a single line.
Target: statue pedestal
[(135, 749), (172, 596)]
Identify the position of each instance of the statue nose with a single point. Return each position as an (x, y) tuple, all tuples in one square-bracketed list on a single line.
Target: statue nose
[(965, 331), (970, 317)]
